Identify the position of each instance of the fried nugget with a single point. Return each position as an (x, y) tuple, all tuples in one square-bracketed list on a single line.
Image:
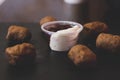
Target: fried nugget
[(24, 53), (108, 42), (91, 31), (47, 19), (81, 55), (96, 26), (18, 34)]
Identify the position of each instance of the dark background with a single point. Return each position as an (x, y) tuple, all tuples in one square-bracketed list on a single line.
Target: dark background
[(31, 11)]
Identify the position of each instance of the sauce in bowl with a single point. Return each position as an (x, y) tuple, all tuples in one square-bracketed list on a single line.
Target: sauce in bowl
[(51, 27), (56, 27)]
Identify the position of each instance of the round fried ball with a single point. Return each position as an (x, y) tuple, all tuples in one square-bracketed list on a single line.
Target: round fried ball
[(24, 53), (108, 42), (47, 19), (81, 55), (96, 26), (91, 31), (18, 34)]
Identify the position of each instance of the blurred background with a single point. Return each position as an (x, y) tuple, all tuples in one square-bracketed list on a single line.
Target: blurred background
[(31, 11)]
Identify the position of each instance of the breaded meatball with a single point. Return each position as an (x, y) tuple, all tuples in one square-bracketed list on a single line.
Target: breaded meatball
[(24, 53), (91, 31), (18, 34), (108, 42), (96, 26), (81, 55), (47, 19)]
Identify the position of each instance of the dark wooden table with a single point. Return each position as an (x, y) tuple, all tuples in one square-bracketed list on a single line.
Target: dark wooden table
[(52, 65)]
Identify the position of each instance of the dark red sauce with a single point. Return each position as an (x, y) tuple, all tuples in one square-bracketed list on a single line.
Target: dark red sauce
[(57, 27)]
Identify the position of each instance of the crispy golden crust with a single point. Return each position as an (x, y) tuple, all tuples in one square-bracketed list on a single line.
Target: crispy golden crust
[(81, 54), (47, 19), (20, 53), (97, 26), (91, 31), (108, 42), (18, 33)]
